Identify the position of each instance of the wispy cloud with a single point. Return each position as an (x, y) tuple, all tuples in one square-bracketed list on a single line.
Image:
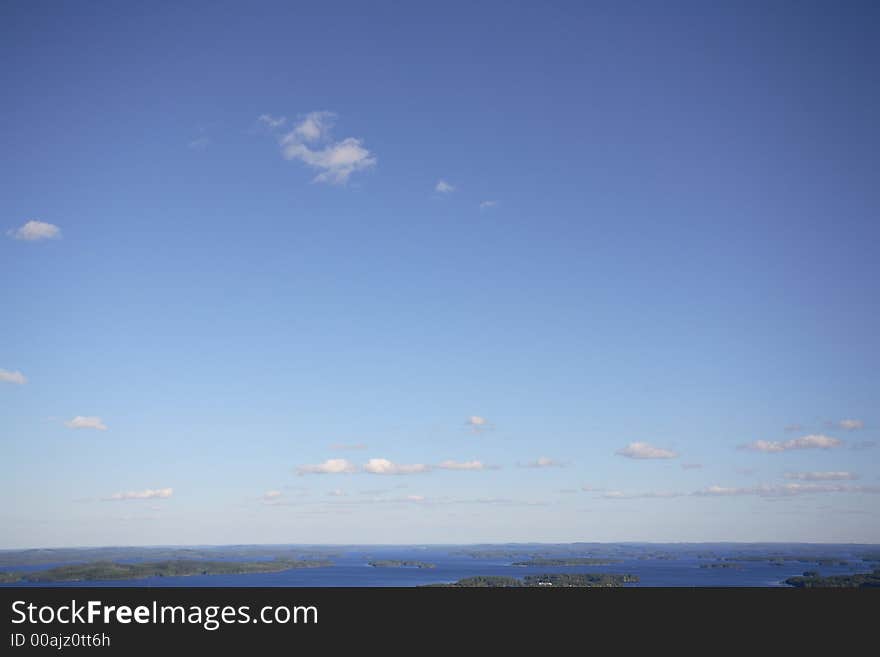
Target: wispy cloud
[(790, 428), (621, 495), (463, 465), (330, 466), (814, 441), (386, 467), (310, 142), (336, 492), (543, 462), (443, 187), (778, 490), (34, 230), (589, 488), (148, 494), (272, 497), (348, 446), (199, 143), (477, 423), (16, 377), (851, 425), (821, 476), (691, 466), (86, 422), (645, 451), (485, 205), (270, 121)]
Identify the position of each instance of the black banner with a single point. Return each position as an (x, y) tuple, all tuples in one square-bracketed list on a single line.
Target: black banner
[(109, 621)]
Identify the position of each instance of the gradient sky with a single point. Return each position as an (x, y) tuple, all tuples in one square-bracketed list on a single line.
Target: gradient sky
[(576, 271)]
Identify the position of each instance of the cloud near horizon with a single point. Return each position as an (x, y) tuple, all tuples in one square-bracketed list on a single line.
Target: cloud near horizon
[(781, 490), (620, 495), (386, 467), (813, 441), (34, 230), (330, 466), (148, 494), (86, 422), (821, 476), (271, 497), (543, 462), (641, 450), (462, 465), (15, 377), (478, 423)]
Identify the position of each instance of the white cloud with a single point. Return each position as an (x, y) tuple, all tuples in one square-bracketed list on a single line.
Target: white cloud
[(336, 492), (415, 498), (149, 494), (86, 422), (851, 425), (589, 488), (330, 466), (821, 476), (309, 142), (543, 462), (34, 230), (484, 205), (462, 465), (781, 490), (443, 187), (620, 495), (723, 490), (386, 467), (645, 451), (805, 442), (348, 446), (270, 121), (315, 126), (272, 497), (12, 377), (478, 423)]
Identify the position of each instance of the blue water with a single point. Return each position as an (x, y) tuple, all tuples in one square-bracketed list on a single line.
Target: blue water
[(675, 567)]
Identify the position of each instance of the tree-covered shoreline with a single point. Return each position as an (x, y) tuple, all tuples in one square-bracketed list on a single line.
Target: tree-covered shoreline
[(108, 570)]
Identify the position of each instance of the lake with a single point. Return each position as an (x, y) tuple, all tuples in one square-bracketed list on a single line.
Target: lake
[(656, 565)]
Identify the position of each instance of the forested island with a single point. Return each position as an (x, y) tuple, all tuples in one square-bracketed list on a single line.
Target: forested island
[(566, 580), (393, 563), (54, 556), (570, 561), (779, 560), (108, 570), (812, 579)]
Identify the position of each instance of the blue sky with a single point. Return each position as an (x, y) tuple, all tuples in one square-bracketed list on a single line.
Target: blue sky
[(420, 273)]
